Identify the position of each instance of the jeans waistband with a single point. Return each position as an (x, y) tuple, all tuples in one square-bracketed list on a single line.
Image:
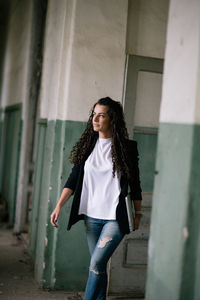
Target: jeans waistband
[(101, 221)]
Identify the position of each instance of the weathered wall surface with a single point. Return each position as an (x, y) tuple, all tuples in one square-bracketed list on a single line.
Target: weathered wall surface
[(88, 61), (14, 97), (15, 78), (84, 60), (86, 42), (174, 242), (98, 55), (146, 34)]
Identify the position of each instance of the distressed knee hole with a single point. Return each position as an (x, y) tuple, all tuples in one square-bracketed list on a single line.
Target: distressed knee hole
[(104, 241), (95, 272)]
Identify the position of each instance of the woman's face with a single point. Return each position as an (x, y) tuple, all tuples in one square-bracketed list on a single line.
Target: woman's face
[(101, 121)]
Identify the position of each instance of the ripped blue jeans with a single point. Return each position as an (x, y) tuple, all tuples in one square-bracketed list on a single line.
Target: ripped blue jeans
[(103, 237)]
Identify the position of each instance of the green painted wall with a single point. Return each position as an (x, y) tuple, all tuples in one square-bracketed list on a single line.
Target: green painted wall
[(38, 175), (147, 144), (9, 157), (59, 263), (61, 258), (75, 275), (175, 231), (190, 288)]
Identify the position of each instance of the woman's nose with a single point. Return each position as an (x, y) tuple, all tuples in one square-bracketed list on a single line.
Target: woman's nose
[(95, 119)]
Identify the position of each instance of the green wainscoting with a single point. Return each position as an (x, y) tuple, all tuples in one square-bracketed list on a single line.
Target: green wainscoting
[(174, 246), (38, 175), (11, 129), (61, 257)]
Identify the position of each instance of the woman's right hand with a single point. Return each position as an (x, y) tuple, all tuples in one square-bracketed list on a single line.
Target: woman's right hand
[(54, 216), (66, 193)]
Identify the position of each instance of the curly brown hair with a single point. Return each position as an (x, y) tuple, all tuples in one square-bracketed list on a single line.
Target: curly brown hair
[(119, 137)]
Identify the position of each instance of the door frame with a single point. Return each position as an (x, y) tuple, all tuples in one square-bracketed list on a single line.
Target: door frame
[(135, 64)]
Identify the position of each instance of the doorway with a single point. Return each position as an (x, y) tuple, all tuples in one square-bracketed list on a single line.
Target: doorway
[(141, 107)]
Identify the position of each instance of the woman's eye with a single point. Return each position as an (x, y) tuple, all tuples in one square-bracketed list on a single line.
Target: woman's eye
[(94, 115)]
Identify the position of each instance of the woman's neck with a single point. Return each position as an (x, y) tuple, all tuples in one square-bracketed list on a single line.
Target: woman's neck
[(105, 135)]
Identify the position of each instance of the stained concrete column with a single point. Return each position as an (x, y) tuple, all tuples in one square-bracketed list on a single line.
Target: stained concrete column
[(84, 56), (174, 246), (15, 91)]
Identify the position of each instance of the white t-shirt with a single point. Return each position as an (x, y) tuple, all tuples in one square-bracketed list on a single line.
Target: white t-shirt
[(100, 191)]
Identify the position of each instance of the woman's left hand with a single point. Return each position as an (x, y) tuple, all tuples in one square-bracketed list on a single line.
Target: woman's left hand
[(137, 221)]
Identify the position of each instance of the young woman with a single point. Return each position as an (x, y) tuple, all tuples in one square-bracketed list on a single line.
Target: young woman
[(105, 163)]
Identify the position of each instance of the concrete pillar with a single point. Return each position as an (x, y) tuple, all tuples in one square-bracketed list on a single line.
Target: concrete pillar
[(34, 14), (86, 60), (174, 246), (14, 102), (84, 57)]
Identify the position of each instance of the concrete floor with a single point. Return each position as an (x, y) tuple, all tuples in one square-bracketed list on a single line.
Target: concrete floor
[(16, 272)]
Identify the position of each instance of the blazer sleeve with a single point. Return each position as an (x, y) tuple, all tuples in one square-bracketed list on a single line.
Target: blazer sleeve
[(134, 181), (73, 177)]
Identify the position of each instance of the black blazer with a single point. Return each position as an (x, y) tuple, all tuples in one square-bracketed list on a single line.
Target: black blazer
[(75, 181)]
